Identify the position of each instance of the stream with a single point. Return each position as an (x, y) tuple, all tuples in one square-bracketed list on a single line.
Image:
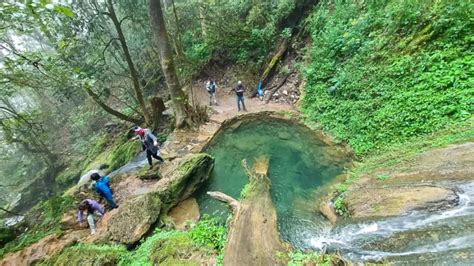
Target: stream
[(421, 236), (300, 166)]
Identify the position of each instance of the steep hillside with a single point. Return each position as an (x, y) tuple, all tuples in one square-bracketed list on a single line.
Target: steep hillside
[(382, 72)]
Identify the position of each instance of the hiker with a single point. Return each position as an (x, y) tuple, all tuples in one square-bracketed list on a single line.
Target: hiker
[(149, 143), (103, 188), (260, 91), (93, 208), (239, 92), (211, 90)]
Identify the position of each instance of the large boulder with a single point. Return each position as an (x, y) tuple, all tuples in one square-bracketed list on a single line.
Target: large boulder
[(187, 210), (185, 178), (396, 201), (135, 218)]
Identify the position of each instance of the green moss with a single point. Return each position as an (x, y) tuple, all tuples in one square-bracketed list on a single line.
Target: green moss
[(122, 155), (45, 218), (88, 254), (296, 258), (169, 248), (118, 154), (69, 175)]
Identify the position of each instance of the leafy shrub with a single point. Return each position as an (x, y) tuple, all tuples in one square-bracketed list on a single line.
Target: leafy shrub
[(340, 206), (382, 73), (295, 258), (209, 233)]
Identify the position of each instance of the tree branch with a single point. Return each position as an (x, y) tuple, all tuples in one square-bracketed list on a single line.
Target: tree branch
[(10, 212), (110, 110), (233, 203)]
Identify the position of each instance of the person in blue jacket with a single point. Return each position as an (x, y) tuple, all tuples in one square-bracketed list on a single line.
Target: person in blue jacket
[(103, 188)]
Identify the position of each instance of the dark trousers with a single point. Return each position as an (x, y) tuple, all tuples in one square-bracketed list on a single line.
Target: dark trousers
[(150, 154), (240, 99)]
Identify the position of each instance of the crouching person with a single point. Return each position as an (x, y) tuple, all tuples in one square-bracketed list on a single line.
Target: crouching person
[(102, 187), (93, 209)]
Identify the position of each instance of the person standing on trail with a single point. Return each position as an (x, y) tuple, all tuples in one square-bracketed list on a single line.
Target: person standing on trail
[(211, 90), (239, 92), (103, 188), (260, 91), (149, 144), (93, 208)]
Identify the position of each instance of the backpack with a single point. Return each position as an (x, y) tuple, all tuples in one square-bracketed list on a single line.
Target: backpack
[(211, 87)]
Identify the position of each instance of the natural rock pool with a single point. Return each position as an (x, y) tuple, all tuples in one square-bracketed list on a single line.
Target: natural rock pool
[(300, 165)]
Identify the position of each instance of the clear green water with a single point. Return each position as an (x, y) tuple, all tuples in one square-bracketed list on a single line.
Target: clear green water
[(299, 164)]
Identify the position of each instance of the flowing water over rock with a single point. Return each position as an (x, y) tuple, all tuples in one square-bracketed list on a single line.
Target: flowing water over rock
[(299, 164), (136, 163), (422, 237)]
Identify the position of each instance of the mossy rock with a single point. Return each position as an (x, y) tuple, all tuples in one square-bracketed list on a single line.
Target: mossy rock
[(84, 254), (134, 218), (186, 177), (179, 250)]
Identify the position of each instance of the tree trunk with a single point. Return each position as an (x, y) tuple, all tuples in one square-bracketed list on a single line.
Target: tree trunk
[(202, 19), (128, 58), (253, 237), (110, 110), (178, 98), (179, 44), (157, 108)]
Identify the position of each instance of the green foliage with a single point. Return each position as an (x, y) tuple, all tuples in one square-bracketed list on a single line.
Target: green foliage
[(296, 258), (208, 232), (244, 191), (175, 247), (340, 206), (383, 177), (88, 254), (382, 73), (341, 188), (206, 238), (122, 154)]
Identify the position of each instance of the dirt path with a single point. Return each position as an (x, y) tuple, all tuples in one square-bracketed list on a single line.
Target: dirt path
[(227, 102)]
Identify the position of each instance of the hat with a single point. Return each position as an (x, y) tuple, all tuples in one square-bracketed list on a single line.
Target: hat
[(139, 131)]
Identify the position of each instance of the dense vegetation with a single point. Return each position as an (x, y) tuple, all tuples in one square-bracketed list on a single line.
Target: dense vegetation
[(68, 70), (382, 72), (75, 77)]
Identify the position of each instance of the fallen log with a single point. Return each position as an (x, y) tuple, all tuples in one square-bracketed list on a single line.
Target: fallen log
[(253, 235)]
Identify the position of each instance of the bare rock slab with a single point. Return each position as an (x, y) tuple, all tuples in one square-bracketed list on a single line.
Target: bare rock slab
[(187, 210)]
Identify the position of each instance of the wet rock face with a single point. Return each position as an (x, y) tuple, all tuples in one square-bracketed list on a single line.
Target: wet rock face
[(399, 200), (133, 219), (187, 210), (424, 183)]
